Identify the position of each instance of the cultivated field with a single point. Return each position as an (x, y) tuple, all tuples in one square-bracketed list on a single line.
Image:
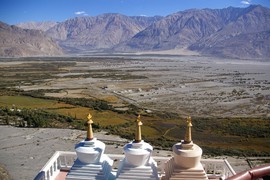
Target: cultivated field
[(229, 100)]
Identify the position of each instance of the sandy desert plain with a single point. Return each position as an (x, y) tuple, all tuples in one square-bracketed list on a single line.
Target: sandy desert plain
[(228, 100)]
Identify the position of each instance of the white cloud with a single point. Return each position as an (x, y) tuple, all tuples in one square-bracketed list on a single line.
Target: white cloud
[(248, 2), (143, 15), (80, 13)]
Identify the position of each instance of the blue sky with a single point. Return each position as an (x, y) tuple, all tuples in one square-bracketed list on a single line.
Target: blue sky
[(15, 11)]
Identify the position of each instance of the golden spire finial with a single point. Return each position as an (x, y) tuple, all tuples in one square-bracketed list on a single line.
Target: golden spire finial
[(138, 135), (90, 135), (188, 138)]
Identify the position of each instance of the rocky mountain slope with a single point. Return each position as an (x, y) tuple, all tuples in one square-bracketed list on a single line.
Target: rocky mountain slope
[(15, 41), (99, 32), (229, 32), (176, 31), (43, 26), (246, 36)]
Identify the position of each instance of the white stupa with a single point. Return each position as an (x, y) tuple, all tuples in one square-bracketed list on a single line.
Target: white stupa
[(186, 163), (138, 163), (91, 161)]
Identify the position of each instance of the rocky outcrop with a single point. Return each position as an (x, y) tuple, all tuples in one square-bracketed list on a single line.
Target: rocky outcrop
[(15, 41)]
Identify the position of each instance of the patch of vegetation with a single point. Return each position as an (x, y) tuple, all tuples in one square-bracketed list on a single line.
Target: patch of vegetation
[(107, 74), (244, 127), (90, 103), (34, 118), (26, 73), (121, 76), (30, 102), (102, 117)]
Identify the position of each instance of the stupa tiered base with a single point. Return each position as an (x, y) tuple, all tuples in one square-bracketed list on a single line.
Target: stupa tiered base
[(128, 171), (137, 163), (195, 173), (85, 171)]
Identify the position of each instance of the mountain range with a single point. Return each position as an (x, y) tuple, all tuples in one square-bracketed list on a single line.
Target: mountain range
[(230, 32)]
